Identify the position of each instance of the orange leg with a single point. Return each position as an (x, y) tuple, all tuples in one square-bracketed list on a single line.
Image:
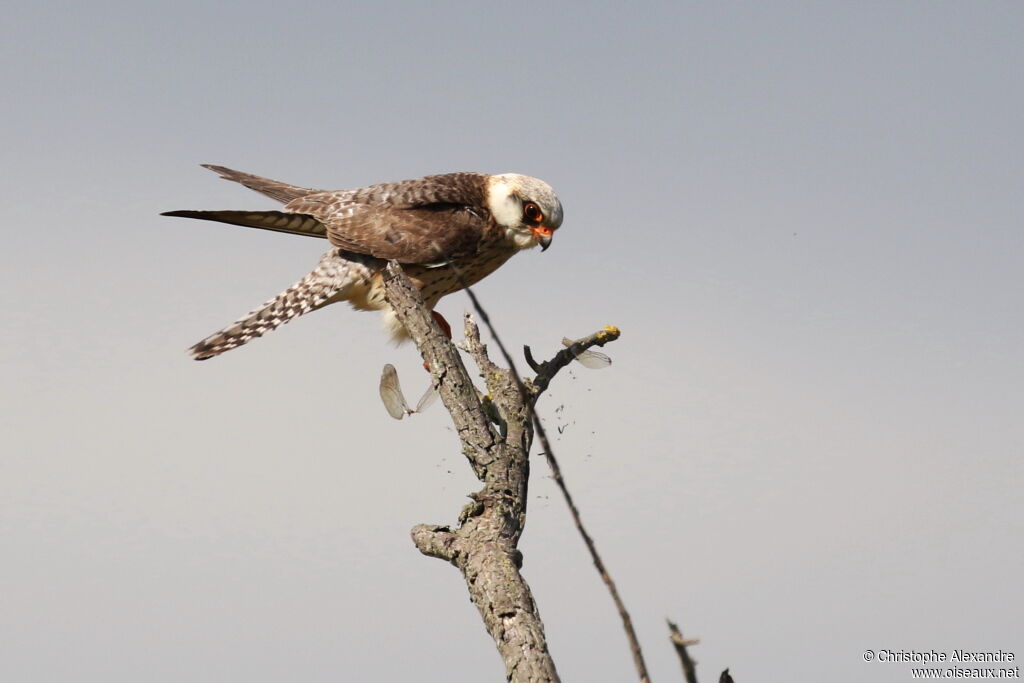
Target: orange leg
[(445, 327)]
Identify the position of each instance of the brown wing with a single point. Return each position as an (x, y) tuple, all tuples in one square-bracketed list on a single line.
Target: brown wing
[(433, 235), (428, 221), (463, 189)]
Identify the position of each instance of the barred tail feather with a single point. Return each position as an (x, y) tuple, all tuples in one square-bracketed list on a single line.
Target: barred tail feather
[(331, 281), (278, 221)]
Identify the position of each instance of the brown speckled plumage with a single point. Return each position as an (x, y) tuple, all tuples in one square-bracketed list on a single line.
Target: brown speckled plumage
[(442, 228)]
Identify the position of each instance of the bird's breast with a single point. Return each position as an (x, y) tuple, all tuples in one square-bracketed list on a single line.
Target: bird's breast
[(435, 283)]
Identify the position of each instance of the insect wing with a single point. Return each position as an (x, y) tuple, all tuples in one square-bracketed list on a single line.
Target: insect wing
[(427, 399), (595, 360), (391, 393)]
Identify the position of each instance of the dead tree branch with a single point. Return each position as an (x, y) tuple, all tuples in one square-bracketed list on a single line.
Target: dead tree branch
[(532, 390), (484, 547)]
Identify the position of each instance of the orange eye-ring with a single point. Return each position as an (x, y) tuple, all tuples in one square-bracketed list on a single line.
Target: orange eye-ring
[(532, 213)]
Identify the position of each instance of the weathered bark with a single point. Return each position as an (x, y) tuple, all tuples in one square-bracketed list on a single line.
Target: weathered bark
[(484, 547)]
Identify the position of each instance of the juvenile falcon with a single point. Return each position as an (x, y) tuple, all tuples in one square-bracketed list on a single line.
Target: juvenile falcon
[(448, 232)]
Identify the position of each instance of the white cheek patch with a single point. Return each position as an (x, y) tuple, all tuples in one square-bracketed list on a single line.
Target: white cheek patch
[(505, 208)]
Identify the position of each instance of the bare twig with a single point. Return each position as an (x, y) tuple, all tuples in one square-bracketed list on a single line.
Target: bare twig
[(547, 370), (627, 622), (534, 365), (494, 335), (680, 643)]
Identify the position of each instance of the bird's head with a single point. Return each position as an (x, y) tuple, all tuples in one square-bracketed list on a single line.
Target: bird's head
[(526, 207)]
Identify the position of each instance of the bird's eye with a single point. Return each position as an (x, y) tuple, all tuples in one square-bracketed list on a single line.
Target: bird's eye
[(532, 213)]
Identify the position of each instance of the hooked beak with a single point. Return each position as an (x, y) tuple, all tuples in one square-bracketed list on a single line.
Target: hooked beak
[(543, 234)]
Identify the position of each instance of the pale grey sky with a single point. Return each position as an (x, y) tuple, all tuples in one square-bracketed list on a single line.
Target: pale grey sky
[(805, 217)]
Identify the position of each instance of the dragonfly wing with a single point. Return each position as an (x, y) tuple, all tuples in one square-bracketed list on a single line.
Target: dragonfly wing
[(427, 399), (595, 360), (391, 393)]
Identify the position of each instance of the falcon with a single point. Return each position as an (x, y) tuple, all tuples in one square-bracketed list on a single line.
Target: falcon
[(448, 232)]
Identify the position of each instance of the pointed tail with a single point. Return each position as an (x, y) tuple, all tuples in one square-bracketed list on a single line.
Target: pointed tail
[(278, 221), (332, 280)]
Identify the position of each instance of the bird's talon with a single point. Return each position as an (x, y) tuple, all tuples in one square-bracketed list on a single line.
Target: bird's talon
[(442, 323)]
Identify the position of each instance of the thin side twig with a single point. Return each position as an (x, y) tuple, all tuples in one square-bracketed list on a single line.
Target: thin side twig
[(620, 606), (547, 370), (680, 644)]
